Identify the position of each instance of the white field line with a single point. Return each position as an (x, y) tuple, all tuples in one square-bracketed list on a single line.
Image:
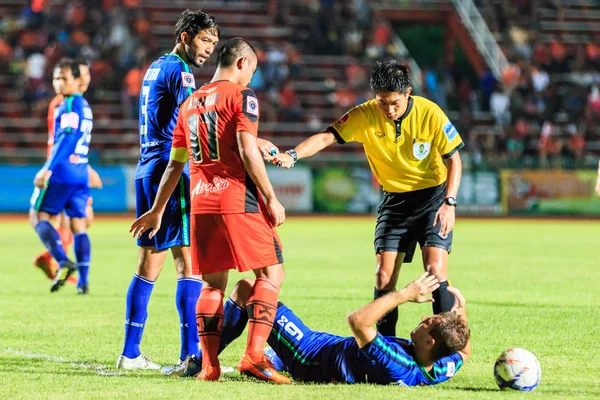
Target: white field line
[(99, 369)]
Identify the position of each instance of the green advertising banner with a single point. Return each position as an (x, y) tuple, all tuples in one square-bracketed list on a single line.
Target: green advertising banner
[(345, 190), (535, 192)]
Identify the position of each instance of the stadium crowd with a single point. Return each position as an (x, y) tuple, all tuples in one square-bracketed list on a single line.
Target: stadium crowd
[(546, 105)]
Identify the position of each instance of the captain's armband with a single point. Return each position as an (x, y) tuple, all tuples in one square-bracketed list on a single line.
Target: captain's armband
[(179, 154)]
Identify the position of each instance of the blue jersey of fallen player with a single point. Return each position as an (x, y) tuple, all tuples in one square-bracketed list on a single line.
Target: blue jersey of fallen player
[(167, 83), (73, 131), (385, 360)]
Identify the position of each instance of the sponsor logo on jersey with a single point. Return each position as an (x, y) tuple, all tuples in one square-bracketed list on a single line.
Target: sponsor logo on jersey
[(450, 131), (451, 369), (252, 105), (69, 120), (152, 143), (188, 79), (207, 188)]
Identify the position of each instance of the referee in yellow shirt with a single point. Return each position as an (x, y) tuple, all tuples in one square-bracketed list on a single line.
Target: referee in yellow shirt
[(412, 148)]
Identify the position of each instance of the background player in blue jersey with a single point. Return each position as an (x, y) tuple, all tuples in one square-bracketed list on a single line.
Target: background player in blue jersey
[(437, 348), (167, 83), (62, 183)]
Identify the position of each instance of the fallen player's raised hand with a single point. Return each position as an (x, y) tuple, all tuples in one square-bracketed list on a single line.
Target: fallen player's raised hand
[(419, 289), (459, 302), (150, 220)]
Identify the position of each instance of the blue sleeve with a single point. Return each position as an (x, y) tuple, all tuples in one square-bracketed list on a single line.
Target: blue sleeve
[(445, 368), (389, 357), (181, 82), (68, 133)]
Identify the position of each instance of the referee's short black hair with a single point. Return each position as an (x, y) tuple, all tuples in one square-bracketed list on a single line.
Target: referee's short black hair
[(71, 64), (194, 21), (232, 50), (389, 76)]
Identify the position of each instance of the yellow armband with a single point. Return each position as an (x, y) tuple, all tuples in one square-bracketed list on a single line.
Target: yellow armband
[(179, 154)]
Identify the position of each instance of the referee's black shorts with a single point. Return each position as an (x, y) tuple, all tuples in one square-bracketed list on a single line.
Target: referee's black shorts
[(403, 219)]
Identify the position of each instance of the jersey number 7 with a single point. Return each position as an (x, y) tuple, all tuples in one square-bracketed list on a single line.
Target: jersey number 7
[(211, 120)]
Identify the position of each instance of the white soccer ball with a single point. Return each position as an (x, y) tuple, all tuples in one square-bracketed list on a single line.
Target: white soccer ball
[(517, 369)]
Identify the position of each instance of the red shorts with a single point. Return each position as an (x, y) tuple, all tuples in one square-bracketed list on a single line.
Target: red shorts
[(221, 242)]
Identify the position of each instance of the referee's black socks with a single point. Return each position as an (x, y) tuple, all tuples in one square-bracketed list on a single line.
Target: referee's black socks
[(387, 324), (443, 299)]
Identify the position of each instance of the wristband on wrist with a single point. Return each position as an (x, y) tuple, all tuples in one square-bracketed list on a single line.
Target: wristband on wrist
[(294, 155)]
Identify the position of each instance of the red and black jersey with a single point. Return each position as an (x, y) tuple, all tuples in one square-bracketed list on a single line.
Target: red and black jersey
[(207, 126)]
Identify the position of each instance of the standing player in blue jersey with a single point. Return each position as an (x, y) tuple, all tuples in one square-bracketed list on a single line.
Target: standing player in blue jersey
[(437, 348), (167, 83), (62, 183)]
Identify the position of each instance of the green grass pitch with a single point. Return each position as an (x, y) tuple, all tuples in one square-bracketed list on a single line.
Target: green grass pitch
[(531, 284)]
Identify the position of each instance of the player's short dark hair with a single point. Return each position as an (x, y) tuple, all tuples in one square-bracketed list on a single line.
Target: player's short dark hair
[(389, 76), (194, 21), (71, 64), (232, 50), (451, 334)]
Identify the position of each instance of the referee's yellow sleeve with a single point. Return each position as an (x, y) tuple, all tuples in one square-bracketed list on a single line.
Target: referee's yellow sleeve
[(179, 154)]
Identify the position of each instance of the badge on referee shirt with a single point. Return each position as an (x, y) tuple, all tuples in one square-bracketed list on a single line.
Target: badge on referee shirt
[(421, 149)]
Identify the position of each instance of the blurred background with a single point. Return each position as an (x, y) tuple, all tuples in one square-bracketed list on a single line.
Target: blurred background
[(518, 78)]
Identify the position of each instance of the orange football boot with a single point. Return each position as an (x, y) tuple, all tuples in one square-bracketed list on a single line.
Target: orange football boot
[(262, 370), (210, 373), (45, 262)]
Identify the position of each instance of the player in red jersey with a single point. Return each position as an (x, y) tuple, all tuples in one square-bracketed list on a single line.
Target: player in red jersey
[(44, 260), (232, 226)]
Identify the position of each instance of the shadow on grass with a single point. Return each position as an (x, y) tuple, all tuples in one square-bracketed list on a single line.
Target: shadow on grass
[(558, 307)]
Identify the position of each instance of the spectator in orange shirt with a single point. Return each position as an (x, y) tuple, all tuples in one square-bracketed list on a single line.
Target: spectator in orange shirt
[(131, 87)]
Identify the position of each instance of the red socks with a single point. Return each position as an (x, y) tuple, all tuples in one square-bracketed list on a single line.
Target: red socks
[(261, 306), (209, 317)]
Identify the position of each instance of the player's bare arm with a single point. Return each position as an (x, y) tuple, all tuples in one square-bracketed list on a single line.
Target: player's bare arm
[(362, 320), (253, 162), (307, 148), (445, 216), (168, 182), (94, 179), (459, 308)]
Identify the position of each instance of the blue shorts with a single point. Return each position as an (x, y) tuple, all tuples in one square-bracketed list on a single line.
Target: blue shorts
[(58, 197), (297, 347), (175, 226)]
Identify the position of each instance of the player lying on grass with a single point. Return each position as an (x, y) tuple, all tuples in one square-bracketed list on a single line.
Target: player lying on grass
[(437, 348)]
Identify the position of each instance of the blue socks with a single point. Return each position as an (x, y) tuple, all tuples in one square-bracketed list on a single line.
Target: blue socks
[(82, 248), (234, 322), (51, 239), (186, 297), (136, 313)]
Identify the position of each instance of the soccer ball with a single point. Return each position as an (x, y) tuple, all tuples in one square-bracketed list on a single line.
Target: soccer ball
[(517, 369)]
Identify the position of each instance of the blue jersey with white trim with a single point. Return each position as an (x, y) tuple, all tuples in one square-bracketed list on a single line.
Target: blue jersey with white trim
[(385, 361), (166, 85), (68, 160)]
